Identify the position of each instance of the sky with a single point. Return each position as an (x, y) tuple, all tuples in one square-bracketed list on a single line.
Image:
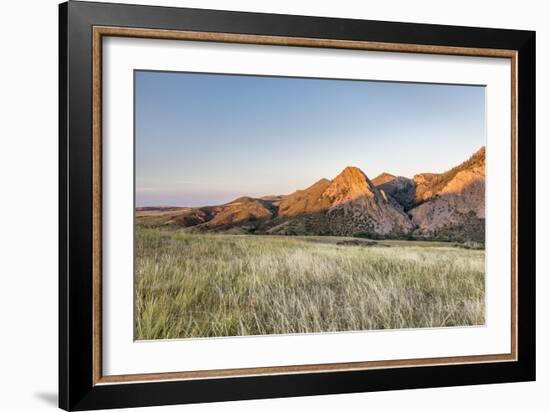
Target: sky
[(206, 139)]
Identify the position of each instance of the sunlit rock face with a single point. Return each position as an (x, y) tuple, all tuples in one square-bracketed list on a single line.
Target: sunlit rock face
[(454, 203)]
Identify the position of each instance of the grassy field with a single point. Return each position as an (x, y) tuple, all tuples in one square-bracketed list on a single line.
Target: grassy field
[(190, 285)]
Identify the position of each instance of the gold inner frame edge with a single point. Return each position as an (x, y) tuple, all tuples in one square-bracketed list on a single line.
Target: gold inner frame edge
[(101, 31)]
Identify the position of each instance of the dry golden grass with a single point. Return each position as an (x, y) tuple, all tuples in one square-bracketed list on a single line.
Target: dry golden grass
[(190, 285)]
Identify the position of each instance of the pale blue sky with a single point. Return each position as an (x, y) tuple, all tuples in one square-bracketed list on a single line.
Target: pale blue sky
[(206, 139)]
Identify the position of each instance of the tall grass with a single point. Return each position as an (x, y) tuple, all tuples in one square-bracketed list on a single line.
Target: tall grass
[(190, 285)]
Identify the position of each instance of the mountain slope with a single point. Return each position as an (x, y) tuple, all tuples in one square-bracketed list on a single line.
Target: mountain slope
[(359, 206), (243, 209), (451, 205), (305, 201), (400, 189)]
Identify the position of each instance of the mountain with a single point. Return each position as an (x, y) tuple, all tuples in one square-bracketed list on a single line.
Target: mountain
[(309, 200), (359, 206), (347, 205), (383, 178), (399, 188), (446, 206), (452, 204), (243, 209)]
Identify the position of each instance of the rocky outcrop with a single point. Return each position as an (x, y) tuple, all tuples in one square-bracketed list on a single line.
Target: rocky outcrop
[(399, 188), (358, 206), (452, 204)]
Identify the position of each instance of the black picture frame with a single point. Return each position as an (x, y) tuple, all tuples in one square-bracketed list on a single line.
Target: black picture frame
[(77, 390)]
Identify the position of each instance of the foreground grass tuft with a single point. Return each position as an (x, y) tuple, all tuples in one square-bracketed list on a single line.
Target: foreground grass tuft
[(190, 285)]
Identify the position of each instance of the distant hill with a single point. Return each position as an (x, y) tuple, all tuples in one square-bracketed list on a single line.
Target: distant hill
[(446, 206)]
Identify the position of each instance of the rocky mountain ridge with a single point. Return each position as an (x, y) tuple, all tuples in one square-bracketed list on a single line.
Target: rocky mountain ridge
[(445, 206)]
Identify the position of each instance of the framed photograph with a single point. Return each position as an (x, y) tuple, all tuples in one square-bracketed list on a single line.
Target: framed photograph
[(256, 205)]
